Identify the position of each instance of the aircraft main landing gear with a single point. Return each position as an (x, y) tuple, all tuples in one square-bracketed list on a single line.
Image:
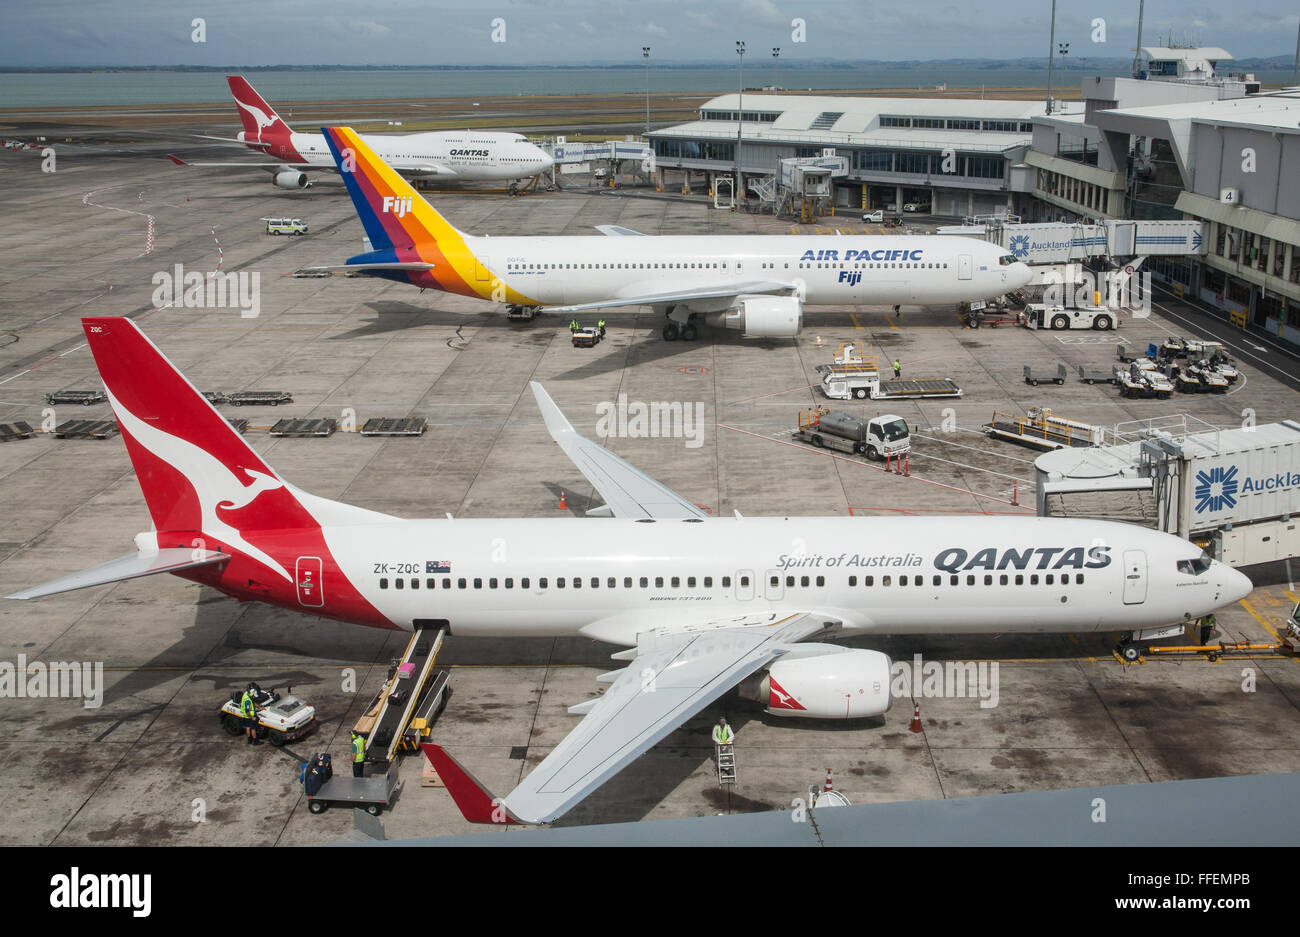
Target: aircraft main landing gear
[(675, 328)]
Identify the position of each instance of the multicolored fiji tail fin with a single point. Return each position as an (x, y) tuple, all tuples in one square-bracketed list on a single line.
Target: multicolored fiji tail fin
[(404, 228)]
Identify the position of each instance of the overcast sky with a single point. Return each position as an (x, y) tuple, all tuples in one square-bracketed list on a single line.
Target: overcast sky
[(404, 32)]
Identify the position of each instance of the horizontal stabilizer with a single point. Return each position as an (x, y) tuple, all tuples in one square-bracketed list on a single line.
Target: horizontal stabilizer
[(131, 566), (474, 801), (617, 230), (358, 268), (628, 653)]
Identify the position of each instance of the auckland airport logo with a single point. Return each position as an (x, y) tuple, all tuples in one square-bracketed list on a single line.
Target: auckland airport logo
[(181, 289), (1219, 488), (657, 419)]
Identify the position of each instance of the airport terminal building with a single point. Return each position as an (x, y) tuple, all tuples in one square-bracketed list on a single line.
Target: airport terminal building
[(947, 156), (1179, 140), (1211, 150)]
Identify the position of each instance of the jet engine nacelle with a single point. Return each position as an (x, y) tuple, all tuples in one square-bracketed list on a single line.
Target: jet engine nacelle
[(824, 682), (764, 316), (291, 179)]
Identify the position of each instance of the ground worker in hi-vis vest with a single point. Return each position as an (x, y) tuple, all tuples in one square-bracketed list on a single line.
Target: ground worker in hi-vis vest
[(573, 325), (722, 734), (358, 756), (248, 710), (601, 325)]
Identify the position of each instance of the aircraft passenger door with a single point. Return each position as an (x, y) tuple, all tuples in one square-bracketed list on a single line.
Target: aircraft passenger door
[(1135, 577), (744, 584), (481, 272), (311, 585), (773, 590), (963, 266)]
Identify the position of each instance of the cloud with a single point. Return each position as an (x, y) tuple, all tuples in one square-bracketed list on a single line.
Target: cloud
[(763, 12), (652, 29)]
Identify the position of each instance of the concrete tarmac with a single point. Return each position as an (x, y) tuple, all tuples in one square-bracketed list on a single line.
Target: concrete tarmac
[(151, 766)]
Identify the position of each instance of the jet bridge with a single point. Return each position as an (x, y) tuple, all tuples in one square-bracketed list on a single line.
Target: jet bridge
[(1060, 243)]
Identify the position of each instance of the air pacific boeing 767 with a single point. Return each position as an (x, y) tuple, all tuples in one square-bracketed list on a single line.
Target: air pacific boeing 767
[(758, 284), (700, 603)]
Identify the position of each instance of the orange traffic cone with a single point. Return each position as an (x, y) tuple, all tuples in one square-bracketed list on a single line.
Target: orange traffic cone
[(829, 786), (564, 505), (916, 719)]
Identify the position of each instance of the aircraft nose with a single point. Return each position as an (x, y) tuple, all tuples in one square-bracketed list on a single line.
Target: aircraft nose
[(1236, 585), (1024, 274)]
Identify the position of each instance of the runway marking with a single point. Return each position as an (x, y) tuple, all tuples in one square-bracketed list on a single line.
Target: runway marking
[(1260, 618), (881, 468), (773, 394)]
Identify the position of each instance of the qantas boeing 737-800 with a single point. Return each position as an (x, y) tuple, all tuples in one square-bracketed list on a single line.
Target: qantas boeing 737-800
[(700, 603), (445, 155), (758, 284)]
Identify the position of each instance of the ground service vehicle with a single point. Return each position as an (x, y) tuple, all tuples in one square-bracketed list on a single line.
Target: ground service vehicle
[(281, 717), (288, 226), (1059, 318), (876, 437)]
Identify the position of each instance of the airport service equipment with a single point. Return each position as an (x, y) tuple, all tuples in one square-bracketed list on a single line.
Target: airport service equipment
[(1060, 318), (1096, 375), (586, 337), (879, 437), (842, 381), (1036, 377), (1138, 381), (371, 794), (290, 226), (1043, 429), (280, 717)]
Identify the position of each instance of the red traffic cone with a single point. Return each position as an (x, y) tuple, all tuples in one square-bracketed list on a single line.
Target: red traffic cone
[(564, 505), (829, 786), (916, 719)]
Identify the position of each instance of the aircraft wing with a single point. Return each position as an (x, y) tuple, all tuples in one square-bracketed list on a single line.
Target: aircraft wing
[(672, 677), (628, 492), (731, 290), (131, 566), (617, 230), (245, 164)]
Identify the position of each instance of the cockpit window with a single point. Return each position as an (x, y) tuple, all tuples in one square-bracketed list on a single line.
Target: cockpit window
[(1007, 260), (1196, 567)]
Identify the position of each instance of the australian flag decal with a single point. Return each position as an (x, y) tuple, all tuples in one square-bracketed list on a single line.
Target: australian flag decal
[(437, 566)]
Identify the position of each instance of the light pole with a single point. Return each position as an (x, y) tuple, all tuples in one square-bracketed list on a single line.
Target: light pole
[(776, 54), (1051, 50), (740, 118), (645, 54)]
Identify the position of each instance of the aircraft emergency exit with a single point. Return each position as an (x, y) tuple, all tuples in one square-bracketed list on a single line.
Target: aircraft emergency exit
[(700, 603), (758, 284)]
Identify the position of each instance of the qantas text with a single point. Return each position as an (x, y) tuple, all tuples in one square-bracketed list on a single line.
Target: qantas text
[(955, 559)]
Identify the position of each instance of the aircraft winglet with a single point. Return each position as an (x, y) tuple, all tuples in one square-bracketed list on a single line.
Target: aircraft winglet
[(476, 803)]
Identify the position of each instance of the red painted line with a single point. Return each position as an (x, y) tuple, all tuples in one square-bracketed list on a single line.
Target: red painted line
[(777, 394), (829, 455)]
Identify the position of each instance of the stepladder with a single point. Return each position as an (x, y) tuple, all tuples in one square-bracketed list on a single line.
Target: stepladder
[(725, 755)]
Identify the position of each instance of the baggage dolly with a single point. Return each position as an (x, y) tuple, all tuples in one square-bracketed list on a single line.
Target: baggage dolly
[(371, 794)]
